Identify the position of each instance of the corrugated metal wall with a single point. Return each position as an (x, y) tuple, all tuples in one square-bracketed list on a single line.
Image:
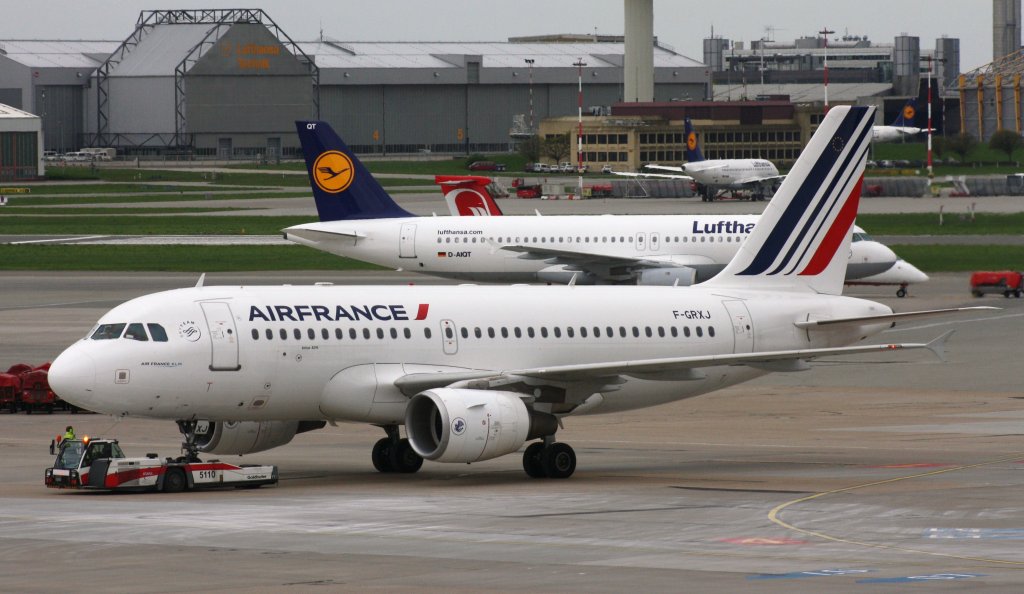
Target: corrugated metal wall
[(61, 110)]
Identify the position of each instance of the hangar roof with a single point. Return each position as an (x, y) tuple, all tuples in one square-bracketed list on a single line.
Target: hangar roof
[(161, 50), (498, 54), (9, 113), (57, 53)]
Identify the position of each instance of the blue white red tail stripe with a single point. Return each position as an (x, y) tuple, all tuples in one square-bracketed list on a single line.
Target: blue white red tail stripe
[(808, 222)]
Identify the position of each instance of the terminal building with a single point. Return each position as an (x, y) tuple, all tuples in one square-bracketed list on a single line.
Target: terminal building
[(231, 83)]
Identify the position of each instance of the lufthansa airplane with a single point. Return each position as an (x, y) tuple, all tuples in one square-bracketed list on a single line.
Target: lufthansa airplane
[(358, 219), (476, 372), (470, 196), (901, 128), (712, 175)]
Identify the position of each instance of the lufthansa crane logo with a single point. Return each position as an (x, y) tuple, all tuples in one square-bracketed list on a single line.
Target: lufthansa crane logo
[(908, 112), (333, 172), (691, 141)]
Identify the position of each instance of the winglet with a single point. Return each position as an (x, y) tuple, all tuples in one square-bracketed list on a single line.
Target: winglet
[(938, 346), (202, 278)]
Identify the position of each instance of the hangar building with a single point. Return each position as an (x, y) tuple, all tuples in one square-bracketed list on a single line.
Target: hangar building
[(230, 84)]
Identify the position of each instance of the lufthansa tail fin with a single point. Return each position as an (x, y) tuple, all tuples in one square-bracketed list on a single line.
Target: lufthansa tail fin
[(693, 153), (906, 116), (802, 240), (342, 187), (468, 196)]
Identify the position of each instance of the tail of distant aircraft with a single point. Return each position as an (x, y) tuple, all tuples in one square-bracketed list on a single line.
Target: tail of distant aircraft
[(693, 153), (467, 195), (802, 239), (342, 187), (906, 117)]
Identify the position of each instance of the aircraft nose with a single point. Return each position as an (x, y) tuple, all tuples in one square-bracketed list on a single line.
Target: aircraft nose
[(912, 273), (72, 376)]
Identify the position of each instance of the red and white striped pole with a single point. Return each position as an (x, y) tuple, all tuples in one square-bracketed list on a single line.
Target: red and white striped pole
[(826, 32), (579, 64), (930, 173)]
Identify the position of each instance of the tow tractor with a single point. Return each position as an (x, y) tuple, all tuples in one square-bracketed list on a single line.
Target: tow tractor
[(101, 464)]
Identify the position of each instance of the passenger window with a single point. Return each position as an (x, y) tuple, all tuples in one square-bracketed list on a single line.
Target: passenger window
[(136, 332), (158, 333), (426, 333), (558, 332), (711, 331), (700, 331), (465, 333), (366, 333), (325, 333), (648, 332), (504, 332), (380, 333), (338, 333), (297, 333), (570, 332), (408, 333), (394, 333), (108, 331), (686, 331), (636, 332), (477, 332), (353, 335), (529, 331), (284, 334), (255, 334), (310, 333), (490, 332), (448, 333), (518, 332), (544, 331), (661, 332), (270, 334), (674, 331)]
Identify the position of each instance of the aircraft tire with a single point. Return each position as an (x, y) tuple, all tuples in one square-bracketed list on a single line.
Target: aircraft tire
[(381, 455), (533, 460), (403, 458), (901, 292), (559, 460)]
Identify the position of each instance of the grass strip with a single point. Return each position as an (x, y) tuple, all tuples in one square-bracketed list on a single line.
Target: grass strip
[(172, 258)]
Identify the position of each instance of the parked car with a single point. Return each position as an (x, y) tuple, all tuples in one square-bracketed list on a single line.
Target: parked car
[(544, 168), (606, 169), (566, 167), (486, 166)]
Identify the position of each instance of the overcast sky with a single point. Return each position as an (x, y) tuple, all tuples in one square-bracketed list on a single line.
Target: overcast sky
[(680, 23)]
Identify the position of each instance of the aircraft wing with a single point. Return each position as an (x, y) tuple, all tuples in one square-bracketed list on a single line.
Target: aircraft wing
[(674, 369), (654, 175), (748, 181), (894, 317), (578, 258)]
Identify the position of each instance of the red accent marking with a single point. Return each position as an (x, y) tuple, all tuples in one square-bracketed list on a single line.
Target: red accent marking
[(835, 236), (421, 313), (441, 255)]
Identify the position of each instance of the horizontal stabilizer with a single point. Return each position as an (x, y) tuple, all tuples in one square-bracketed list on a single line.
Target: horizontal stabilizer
[(894, 317)]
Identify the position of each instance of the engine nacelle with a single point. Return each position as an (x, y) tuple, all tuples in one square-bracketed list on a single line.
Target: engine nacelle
[(231, 438), (459, 425), (685, 275)]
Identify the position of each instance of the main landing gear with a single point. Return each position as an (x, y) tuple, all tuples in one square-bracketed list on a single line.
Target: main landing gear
[(549, 459), (902, 291), (395, 454)]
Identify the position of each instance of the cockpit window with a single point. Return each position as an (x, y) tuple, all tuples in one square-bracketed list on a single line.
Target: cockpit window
[(157, 332), (108, 331), (862, 237), (136, 332)]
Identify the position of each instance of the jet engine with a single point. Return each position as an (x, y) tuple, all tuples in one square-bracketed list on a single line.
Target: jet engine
[(246, 437), (460, 425)]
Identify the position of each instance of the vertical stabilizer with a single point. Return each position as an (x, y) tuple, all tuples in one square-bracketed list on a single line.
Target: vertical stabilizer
[(468, 196), (692, 152), (802, 240), (342, 187), (907, 114)]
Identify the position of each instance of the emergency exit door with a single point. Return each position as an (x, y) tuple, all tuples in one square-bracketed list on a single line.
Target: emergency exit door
[(407, 241), (223, 337)]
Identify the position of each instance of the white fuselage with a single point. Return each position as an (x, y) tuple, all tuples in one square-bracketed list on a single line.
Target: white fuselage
[(730, 173), (469, 248), (893, 133), (324, 352)]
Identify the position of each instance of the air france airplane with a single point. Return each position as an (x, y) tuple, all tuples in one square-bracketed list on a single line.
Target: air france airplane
[(712, 175), (358, 219), (476, 372)]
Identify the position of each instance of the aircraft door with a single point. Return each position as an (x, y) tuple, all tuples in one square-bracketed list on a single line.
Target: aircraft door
[(223, 337), (655, 242), (641, 242), (407, 241), (742, 326), (449, 337)]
